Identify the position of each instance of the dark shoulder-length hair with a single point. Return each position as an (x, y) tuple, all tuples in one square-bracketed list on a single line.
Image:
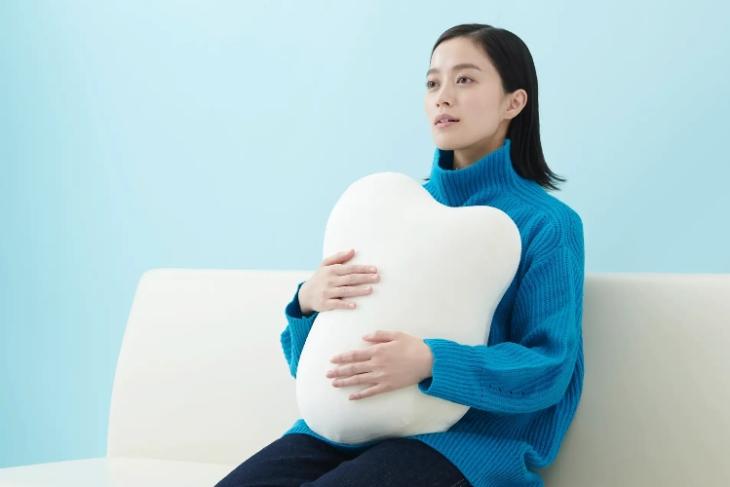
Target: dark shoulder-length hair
[(513, 61)]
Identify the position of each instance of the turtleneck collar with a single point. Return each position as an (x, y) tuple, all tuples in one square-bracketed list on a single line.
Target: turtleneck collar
[(489, 176)]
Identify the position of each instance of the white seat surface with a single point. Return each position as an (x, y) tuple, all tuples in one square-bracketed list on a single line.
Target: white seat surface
[(116, 472)]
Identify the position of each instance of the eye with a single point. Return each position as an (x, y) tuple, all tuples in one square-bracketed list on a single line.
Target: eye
[(429, 85)]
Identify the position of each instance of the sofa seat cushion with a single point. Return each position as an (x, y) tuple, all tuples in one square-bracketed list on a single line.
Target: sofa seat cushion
[(116, 472)]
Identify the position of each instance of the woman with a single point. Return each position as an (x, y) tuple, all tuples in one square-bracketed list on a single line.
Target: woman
[(524, 385)]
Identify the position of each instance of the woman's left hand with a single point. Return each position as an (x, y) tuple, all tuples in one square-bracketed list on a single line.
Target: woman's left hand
[(395, 360)]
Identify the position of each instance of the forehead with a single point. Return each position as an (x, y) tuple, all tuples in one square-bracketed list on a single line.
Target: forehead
[(455, 54)]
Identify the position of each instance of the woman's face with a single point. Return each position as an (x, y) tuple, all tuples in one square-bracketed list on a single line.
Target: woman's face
[(462, 82)]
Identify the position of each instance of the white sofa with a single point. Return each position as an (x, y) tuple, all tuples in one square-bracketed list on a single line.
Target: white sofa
[(202, 383)]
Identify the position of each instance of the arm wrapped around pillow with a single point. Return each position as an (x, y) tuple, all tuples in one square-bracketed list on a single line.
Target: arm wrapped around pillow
[(533, 371), (296, 331)]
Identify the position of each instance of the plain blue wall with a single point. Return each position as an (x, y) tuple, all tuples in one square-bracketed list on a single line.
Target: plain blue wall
[(140, 134)]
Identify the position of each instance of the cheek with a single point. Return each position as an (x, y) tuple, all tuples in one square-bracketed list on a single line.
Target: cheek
[(480, 103), (481, 113)]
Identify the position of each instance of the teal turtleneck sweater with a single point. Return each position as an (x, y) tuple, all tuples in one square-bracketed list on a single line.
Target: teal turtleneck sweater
[(524, 384)]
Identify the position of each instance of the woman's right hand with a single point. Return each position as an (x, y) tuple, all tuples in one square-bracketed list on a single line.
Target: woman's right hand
[(334, 281)]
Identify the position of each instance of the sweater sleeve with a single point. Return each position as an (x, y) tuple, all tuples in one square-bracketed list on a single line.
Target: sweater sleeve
[(533, 370), (296, 331)]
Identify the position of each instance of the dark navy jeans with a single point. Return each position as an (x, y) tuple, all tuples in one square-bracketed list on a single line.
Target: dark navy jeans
[(298, 459)]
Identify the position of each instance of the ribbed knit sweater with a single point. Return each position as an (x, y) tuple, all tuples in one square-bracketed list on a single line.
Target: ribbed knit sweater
[(524, 384)]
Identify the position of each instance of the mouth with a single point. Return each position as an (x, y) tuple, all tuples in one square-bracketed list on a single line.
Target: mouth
[(445, 123)]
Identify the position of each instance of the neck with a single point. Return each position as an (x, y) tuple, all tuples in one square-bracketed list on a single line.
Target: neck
[(466, 157)]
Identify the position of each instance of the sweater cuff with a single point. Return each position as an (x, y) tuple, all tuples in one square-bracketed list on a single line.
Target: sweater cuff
[(447, 366), (293, 310)]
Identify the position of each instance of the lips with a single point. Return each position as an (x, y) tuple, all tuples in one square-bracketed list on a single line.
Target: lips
[(445, 119), (446, 123)]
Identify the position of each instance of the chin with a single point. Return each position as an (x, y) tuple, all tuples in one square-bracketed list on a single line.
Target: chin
[(447, 142)]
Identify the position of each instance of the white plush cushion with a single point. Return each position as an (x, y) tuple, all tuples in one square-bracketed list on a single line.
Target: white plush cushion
[(443, 271)]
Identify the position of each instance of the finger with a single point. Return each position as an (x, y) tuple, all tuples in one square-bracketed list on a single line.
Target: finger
[(340, 304), (338, 257), (370, 391), (381, 336), (356, 278), (352, 356), (359, 269), (347, 291), (366, 378), (350, 370)]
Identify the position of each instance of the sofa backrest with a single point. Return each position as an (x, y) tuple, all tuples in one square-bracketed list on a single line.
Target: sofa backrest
[(655, 408), (201, 375)]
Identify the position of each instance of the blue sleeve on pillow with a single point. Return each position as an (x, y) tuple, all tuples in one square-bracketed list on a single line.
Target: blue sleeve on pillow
[(296, 331)]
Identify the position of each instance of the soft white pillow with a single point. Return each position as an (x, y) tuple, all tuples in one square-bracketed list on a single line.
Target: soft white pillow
[(443, 271)]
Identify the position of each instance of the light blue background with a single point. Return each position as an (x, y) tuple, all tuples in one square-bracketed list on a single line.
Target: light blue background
[(141, 134)]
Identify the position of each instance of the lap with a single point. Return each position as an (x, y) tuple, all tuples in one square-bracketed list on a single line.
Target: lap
[(298, 459), (288, 461), (394, 462)]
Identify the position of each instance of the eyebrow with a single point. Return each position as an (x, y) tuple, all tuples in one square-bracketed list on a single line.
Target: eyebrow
[(457, 66)]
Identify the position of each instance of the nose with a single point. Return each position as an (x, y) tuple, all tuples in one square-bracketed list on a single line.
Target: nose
[(443, 98)]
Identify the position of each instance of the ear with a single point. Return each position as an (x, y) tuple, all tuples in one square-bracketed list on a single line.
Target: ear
[(517, 101)]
